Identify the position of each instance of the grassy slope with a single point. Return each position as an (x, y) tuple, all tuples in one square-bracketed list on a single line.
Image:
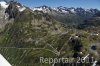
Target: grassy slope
[(31, 36)]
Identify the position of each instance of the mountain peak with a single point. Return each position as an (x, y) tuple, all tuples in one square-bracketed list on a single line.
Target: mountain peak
[(43, 8), (66, 10), (14, 8)]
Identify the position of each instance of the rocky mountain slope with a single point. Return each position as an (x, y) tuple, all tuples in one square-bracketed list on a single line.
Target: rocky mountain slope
[(66, 10), (93, 22), (70, 16), (33, 34)]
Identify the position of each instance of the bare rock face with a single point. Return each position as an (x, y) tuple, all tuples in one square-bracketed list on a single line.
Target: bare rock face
[(9, 11), (12, 10), (3, 16)]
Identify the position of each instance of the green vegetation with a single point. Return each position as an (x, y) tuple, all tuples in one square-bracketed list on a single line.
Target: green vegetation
[(33, 35)]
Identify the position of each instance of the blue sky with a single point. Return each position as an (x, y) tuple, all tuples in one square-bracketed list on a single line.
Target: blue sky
[(67, 3)]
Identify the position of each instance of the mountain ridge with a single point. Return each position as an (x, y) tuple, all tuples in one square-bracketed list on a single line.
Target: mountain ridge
[(63, 9), (70, 16), (34, 34)]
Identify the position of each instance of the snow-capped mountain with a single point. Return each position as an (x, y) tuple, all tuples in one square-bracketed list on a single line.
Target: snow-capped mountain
[(71, 16), (62, 9), (43, 8), (62, 14), (5, 5), (9, 10)]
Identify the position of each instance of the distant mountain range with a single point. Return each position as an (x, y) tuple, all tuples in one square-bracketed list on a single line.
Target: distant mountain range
[(62, 9), (66, 10), (70, 16)]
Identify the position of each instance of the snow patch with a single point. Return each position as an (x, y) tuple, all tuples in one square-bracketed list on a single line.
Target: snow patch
[(3, 4), (39, 9), (22, 9), (64, 11), (72, 10)]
